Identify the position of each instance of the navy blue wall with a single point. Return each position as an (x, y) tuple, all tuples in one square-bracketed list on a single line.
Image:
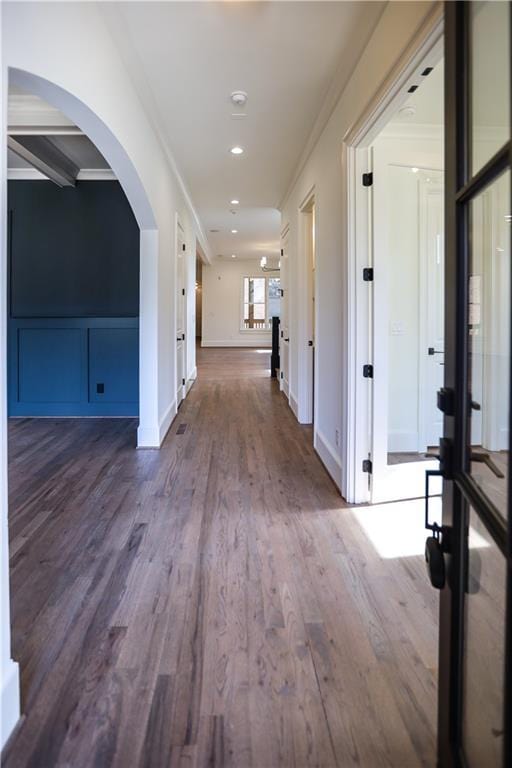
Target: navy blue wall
[(74, 300)]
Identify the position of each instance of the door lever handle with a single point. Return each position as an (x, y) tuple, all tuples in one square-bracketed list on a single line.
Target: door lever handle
[(484, 458), (433, 351)]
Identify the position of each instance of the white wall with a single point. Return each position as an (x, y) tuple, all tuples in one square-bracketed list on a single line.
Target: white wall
[(222, 294), (322, 170), (69, 46)]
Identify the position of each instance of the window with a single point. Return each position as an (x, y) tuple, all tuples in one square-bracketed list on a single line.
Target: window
[(261, 302)]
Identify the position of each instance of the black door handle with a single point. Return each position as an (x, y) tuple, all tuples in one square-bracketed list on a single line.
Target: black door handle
[(434, 545), (433, 351)]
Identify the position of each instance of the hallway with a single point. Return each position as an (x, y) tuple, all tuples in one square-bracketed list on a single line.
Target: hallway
[(211, 603)]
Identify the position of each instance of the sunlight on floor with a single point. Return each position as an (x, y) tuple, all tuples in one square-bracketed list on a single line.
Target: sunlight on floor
[(397, 529)]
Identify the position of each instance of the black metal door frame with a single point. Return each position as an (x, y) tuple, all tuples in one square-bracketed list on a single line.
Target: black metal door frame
[(459, 488)]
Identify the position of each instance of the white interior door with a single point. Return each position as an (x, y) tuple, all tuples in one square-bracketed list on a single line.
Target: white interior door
[(432, 214), (180, 320), (405, 376)]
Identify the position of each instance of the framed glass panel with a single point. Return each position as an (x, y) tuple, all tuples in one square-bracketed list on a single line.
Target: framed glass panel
[(274, 298), (489, 338), (261, 302), (490, 79), (254, 303), (484, 650)]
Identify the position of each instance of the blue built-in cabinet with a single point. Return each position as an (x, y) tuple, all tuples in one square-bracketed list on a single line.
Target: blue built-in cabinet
[(73, 300), (74, 367)]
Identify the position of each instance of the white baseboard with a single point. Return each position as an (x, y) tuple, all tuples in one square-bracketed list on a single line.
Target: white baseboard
[(330, 459), (263, 343), (166, 421), (153, 437), (10, 700), (188, 386), (148, 437), (285, 387), (294, 405)]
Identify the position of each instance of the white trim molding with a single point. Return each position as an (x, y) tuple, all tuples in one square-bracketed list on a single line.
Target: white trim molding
[(87, 174), (10, 700), (294, 405), (166, 421), (329, 457)]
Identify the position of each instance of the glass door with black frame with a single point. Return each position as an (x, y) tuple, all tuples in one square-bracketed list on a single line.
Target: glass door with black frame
[(469, 551)]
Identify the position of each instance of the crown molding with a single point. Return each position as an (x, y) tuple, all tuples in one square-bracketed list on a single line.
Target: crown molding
[(87, 174), (334, 93), (27, 111), (432, 22), (120, 34)]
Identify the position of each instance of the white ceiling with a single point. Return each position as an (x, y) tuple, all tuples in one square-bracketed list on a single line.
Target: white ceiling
[(427, 101), (290, 57)]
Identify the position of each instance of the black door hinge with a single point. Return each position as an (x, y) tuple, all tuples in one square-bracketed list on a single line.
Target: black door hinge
[(446, 401), (368, 371), (368, 274), (367, 466), (183, 336), (182, 291), (183, 382), (367, 179), (282, 251), (282, 292), (282, 375), (183, 247)]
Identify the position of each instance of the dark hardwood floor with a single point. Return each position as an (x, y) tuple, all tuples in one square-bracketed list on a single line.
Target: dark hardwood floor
[(211, 603)]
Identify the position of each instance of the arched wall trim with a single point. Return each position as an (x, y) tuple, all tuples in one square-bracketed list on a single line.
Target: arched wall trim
[(87, 120), (98, 132)]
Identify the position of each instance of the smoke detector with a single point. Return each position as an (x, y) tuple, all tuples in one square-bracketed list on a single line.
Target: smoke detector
[(239, 98), (407, 111)]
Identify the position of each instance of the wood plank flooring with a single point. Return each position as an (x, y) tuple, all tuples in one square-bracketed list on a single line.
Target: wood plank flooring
[(214, 603)]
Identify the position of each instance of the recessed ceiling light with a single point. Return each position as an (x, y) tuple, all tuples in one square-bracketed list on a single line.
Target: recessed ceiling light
[(234, 231), (234, 202), (233, 255), (236, 150), (415, 170)]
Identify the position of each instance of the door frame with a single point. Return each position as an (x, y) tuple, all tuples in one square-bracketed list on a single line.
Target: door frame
[(284, 332), (307, 360), (426, 190), (180, 262), (356, 160)]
